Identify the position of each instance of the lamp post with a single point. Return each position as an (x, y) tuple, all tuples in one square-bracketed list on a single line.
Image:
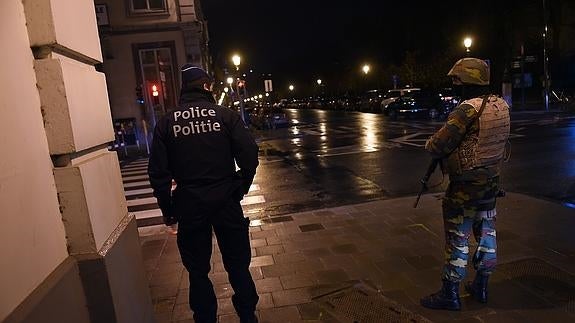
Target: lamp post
[(467, 43), (236, 59)]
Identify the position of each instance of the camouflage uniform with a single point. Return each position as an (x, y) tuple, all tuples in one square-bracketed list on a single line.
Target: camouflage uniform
[(469, 203)]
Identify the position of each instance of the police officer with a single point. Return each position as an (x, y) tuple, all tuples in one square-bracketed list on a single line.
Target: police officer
[(196, 146), (472, 146)]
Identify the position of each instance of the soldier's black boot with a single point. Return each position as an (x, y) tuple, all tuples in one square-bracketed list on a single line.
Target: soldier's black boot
[(478, 288), (447, 298)]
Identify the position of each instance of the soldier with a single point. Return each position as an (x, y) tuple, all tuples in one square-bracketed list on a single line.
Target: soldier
[(472, 146), (196, 146)]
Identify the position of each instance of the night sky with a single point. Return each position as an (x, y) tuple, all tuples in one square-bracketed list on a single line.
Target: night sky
[(302, 40)]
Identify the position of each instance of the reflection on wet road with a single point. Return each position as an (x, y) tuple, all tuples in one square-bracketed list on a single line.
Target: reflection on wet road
[(328, 158)]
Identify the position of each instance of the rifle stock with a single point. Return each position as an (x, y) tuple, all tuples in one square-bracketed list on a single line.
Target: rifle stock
[(430, 169)]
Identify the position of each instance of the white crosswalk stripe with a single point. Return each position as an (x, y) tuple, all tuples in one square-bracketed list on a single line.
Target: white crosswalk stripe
[(139, 191), (134, 184), (145, 207), (131, 178), (144, 201)]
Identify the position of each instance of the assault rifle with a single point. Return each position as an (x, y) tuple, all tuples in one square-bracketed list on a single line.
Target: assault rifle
[(425, 179)]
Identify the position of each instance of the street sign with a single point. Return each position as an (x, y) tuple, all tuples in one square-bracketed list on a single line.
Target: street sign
[(268, 85)]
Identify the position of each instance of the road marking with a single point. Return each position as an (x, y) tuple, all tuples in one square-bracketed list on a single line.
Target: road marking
[(144, 201), (135, 172), (154, 213), (134, 184), (130, 178), (411, 139), (138, 192), (254, 199)]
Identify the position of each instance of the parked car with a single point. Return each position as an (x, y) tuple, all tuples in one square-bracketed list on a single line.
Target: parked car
[(371, 101), (426, 104), (392, 95), (267, 117)]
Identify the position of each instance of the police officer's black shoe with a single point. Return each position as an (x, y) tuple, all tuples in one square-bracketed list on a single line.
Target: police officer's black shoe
[(478, 288), (447, 298)]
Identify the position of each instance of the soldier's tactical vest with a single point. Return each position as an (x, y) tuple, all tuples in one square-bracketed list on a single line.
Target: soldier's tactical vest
[(485, 148)]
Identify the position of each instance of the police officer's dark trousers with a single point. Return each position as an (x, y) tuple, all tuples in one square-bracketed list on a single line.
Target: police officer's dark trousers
[(195, 245)]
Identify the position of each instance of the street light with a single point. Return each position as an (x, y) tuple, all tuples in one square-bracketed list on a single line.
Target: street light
[(236, 59), (230, 80), (226, 89), (291, 87), (467, 43), (318, 81), (365, 69)]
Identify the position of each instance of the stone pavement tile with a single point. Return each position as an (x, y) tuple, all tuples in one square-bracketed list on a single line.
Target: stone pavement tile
[(218, 278), (270, 250), (265, 301), (285, 258), (291, 297), (263, 234), (277, 270), (181, 312), (547, 315), (307, 266), (164, 305), (506, 294), (163, 317), (185, 281), (346, 248), (324, 213), (312, 312), (165, 279), (256, 273), (421, 262), (331, 276), (317, 252), (228, 318), (298, 280), (311, 227), (505, 316), (272, 241), (255, 229), (223, 290), (268, 285), (424, 277), (394, 281), (287, 314), (260, 261), (164, 291), (218, 267), (258, 243), (183, 296), (337, 261), (225, 306), (394, 264)]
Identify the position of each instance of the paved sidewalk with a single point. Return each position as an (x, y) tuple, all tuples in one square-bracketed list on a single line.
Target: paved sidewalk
[(305, 263)]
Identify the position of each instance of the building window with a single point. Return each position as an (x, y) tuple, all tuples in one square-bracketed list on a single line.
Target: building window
[(148, 6), (158, 70)]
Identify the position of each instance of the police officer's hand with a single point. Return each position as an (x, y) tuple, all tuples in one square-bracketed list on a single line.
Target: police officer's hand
[(168, 213)]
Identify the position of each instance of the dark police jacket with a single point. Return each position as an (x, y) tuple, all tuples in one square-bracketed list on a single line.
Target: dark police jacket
[(196, 145)]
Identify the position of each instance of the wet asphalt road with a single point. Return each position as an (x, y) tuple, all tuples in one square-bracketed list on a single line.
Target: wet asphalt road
[(332, 158)]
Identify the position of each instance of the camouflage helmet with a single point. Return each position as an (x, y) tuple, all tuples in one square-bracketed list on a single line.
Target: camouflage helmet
[(471, 71)]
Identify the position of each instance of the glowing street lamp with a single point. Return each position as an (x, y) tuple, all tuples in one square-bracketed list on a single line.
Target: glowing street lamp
[(236, 59), (291, 87), (318, 81), (366, 68), (226, 89), (230, 80), (467, 43)]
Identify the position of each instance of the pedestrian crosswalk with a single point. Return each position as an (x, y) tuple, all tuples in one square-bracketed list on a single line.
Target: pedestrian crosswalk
[(142, 203)]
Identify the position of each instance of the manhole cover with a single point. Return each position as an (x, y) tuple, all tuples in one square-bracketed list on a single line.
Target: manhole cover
[(548, 282), (362, 304)]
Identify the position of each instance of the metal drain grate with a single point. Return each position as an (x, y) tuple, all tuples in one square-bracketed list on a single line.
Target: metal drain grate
[(548, 282), (362, 304)]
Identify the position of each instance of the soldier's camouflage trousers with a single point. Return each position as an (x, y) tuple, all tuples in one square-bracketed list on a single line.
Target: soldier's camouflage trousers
[(469, 207)]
